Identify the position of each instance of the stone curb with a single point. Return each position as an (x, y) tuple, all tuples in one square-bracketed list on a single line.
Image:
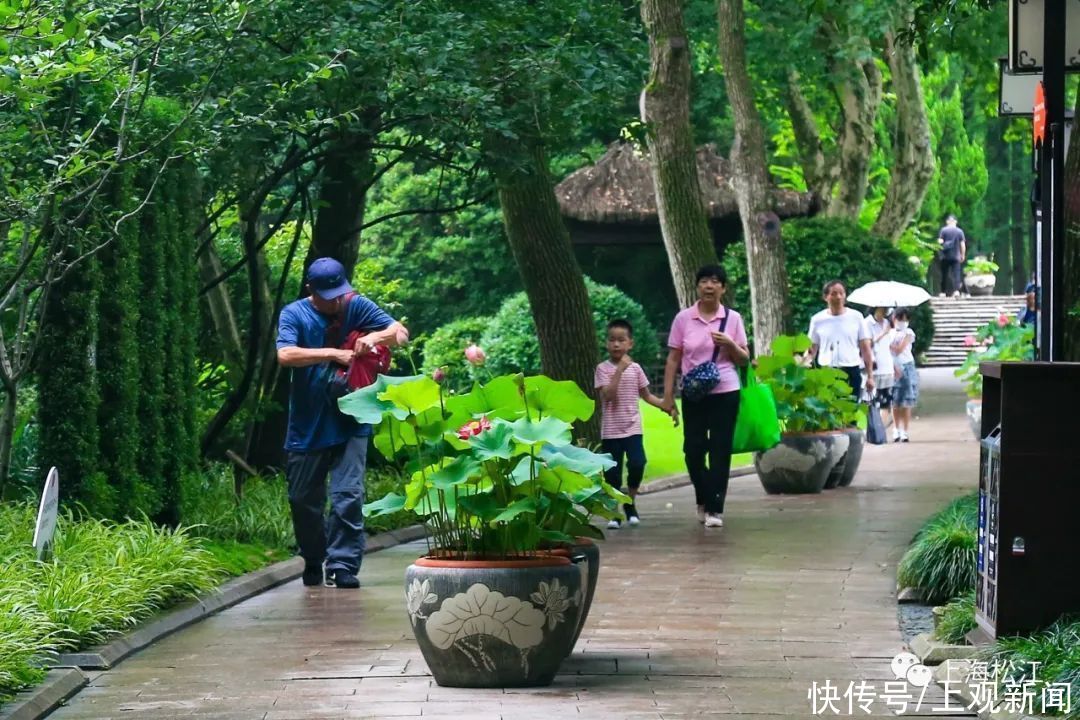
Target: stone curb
[(66, 678), (933, 652), (60, 684), (682, 479), (950, 676)]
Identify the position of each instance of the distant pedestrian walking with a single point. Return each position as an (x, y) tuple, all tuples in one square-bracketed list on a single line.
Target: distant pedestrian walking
[(881, 336), (621, 382), (953, 252), (906, 393), (708, 332)]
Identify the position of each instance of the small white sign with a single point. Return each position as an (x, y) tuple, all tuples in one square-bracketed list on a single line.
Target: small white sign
[(45, 527)]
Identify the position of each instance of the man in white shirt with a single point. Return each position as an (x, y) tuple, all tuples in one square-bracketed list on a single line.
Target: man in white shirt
[(841, 339)]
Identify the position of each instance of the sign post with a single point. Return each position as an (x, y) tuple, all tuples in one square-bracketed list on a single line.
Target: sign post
[(45, 527)]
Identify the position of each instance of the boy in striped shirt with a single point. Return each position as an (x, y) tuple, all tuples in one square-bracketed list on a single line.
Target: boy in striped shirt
[(620, 382)]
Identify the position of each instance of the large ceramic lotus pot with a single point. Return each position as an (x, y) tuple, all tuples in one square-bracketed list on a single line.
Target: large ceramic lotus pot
[(490, 624), (853, 456), (973, 410), (801, 463), (980, 283), (585, 554)]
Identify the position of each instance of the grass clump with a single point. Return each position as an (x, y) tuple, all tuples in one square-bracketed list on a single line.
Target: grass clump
[(957, 620), (260, 516), (1049, 657), (237, 558), (941, 561), (102, 579)]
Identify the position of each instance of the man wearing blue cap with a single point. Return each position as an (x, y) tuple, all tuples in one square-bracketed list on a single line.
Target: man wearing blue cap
[(321, 440)]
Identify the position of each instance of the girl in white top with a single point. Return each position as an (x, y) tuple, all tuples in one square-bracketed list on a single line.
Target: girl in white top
[(880, 327), (906, 392)]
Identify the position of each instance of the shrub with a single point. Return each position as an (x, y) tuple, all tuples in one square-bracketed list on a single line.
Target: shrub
[(446, 348), (958, 619), (1002, 340), (1050, 656), (102, 579), (941, 562), (510, 339), (261, 516), (821, 249)]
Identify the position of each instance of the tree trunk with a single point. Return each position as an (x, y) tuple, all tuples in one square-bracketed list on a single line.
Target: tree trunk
[(820, 175), (860, 97), (761, 226), (1019, 219), (913, 160), (549, 271), (221, 311), (673, 158), (1069, 285), (347, 172), (7, 434)]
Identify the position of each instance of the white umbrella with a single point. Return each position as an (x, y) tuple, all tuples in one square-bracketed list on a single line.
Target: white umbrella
[(887, 293)]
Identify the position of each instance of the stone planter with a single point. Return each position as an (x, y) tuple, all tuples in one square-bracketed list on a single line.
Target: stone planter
[(585, 554), (973, 410), (801, 463), (853, 456), (497, 623), (980, 284)]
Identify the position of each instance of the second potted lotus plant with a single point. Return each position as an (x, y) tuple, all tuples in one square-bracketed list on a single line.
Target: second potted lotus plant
[(496, 601), (818, 417)]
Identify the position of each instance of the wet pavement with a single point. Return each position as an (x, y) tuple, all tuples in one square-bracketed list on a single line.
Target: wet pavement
[(687, 621)]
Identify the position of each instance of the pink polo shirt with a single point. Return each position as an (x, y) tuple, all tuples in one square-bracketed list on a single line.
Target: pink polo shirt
[(691, 334)]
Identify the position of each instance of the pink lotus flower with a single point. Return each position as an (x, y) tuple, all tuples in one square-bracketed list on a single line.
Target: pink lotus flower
[(473, 428), (1003, 320), (969, 341), (475, 355), (439, 375)]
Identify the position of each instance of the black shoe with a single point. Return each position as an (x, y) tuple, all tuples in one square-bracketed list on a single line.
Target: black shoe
[(341, 579), (313, 575)]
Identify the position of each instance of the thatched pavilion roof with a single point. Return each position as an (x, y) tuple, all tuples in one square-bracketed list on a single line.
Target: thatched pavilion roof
[(619, 188)]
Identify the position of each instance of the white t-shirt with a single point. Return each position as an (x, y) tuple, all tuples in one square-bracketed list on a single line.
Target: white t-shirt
[(883, 357), (837, 337), (905, 356)]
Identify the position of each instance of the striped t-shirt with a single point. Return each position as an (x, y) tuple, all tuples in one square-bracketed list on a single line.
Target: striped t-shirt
[(621, 416)]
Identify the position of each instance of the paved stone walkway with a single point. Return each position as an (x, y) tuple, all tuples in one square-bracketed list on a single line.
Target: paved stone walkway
[(686, 622)]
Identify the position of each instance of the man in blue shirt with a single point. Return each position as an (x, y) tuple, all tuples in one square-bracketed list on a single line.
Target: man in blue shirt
[(321, 440)]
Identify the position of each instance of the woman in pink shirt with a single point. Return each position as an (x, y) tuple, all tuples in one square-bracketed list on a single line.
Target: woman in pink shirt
[(708, 424)]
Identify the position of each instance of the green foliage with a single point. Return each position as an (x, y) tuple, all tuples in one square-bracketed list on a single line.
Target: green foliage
[(960, 180), (1000, 340), (260, 516), (807, 399), (821, 249), (491, 472), (981, 266), (1047, 657), (940, 562), (102, 579), (446, 349), (957, 620), (512, 346), (236, 558)]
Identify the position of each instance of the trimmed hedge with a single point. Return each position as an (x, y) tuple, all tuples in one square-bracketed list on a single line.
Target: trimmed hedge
[(510, 339)]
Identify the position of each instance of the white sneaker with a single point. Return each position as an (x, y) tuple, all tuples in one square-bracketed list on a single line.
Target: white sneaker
[(714, 520), (701, 513), (614, 525), (895, 435), (633, 520), (903, 437)]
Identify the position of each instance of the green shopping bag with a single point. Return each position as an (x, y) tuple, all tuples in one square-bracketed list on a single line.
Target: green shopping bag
[(757, 427)]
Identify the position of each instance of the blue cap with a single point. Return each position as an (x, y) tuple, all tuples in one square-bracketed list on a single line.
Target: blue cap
[(326, 276)]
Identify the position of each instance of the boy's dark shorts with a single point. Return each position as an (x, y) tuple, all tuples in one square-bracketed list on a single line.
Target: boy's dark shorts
[(633, 449)]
